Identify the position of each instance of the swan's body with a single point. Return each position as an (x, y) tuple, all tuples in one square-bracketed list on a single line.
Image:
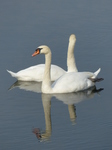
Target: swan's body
[(67, 83), (35, 73)]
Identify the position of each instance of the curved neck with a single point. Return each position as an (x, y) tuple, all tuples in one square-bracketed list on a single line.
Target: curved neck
[(46, 84), (71, 64)]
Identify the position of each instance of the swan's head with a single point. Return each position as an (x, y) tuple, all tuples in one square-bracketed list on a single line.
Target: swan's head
[(43, 49), (72, 38)]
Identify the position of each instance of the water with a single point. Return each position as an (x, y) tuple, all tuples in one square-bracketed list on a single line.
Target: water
[(75, 121)]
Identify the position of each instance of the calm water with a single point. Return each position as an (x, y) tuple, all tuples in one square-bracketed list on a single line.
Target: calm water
[(80, 121)]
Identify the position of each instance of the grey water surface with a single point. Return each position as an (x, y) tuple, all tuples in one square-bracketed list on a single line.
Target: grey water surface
[(31, 120)]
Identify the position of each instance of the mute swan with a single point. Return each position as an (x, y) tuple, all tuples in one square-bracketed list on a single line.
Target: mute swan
[(35, 73), (67, 83)]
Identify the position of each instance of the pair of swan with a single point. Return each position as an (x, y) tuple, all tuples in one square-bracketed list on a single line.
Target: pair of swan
[(69, 81), (66, 82), (35, 73)]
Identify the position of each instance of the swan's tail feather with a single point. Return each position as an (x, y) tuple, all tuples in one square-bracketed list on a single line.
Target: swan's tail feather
[(12, 73), (97, 72), (96, 79)]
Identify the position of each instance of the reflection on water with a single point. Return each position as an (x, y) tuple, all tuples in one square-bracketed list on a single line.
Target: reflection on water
[(45, 135), (27, 86), (69, 99), (72, 113)]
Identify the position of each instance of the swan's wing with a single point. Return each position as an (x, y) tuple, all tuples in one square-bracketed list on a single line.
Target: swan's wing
[(72, 82)]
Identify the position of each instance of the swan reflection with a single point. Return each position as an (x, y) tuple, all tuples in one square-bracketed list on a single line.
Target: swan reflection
[(76, 97), (27, 86), (46, 101), (69, 99), (45, 135)]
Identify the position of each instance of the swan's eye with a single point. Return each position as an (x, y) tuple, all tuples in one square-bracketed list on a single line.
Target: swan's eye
[(38, 49)]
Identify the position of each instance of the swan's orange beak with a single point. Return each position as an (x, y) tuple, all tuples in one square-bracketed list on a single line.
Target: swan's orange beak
[(36, 52)]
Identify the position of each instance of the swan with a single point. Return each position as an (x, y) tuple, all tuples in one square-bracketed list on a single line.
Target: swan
[(35, 73), (67, 83)]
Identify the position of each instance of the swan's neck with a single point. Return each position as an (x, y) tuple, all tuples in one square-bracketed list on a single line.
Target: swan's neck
[(46, 84), (71, 64)]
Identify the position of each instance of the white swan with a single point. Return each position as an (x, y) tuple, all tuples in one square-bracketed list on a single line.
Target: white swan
[(35, 73), (67, 83)]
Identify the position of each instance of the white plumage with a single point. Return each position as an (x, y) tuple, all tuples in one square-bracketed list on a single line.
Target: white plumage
[(67, 83)]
